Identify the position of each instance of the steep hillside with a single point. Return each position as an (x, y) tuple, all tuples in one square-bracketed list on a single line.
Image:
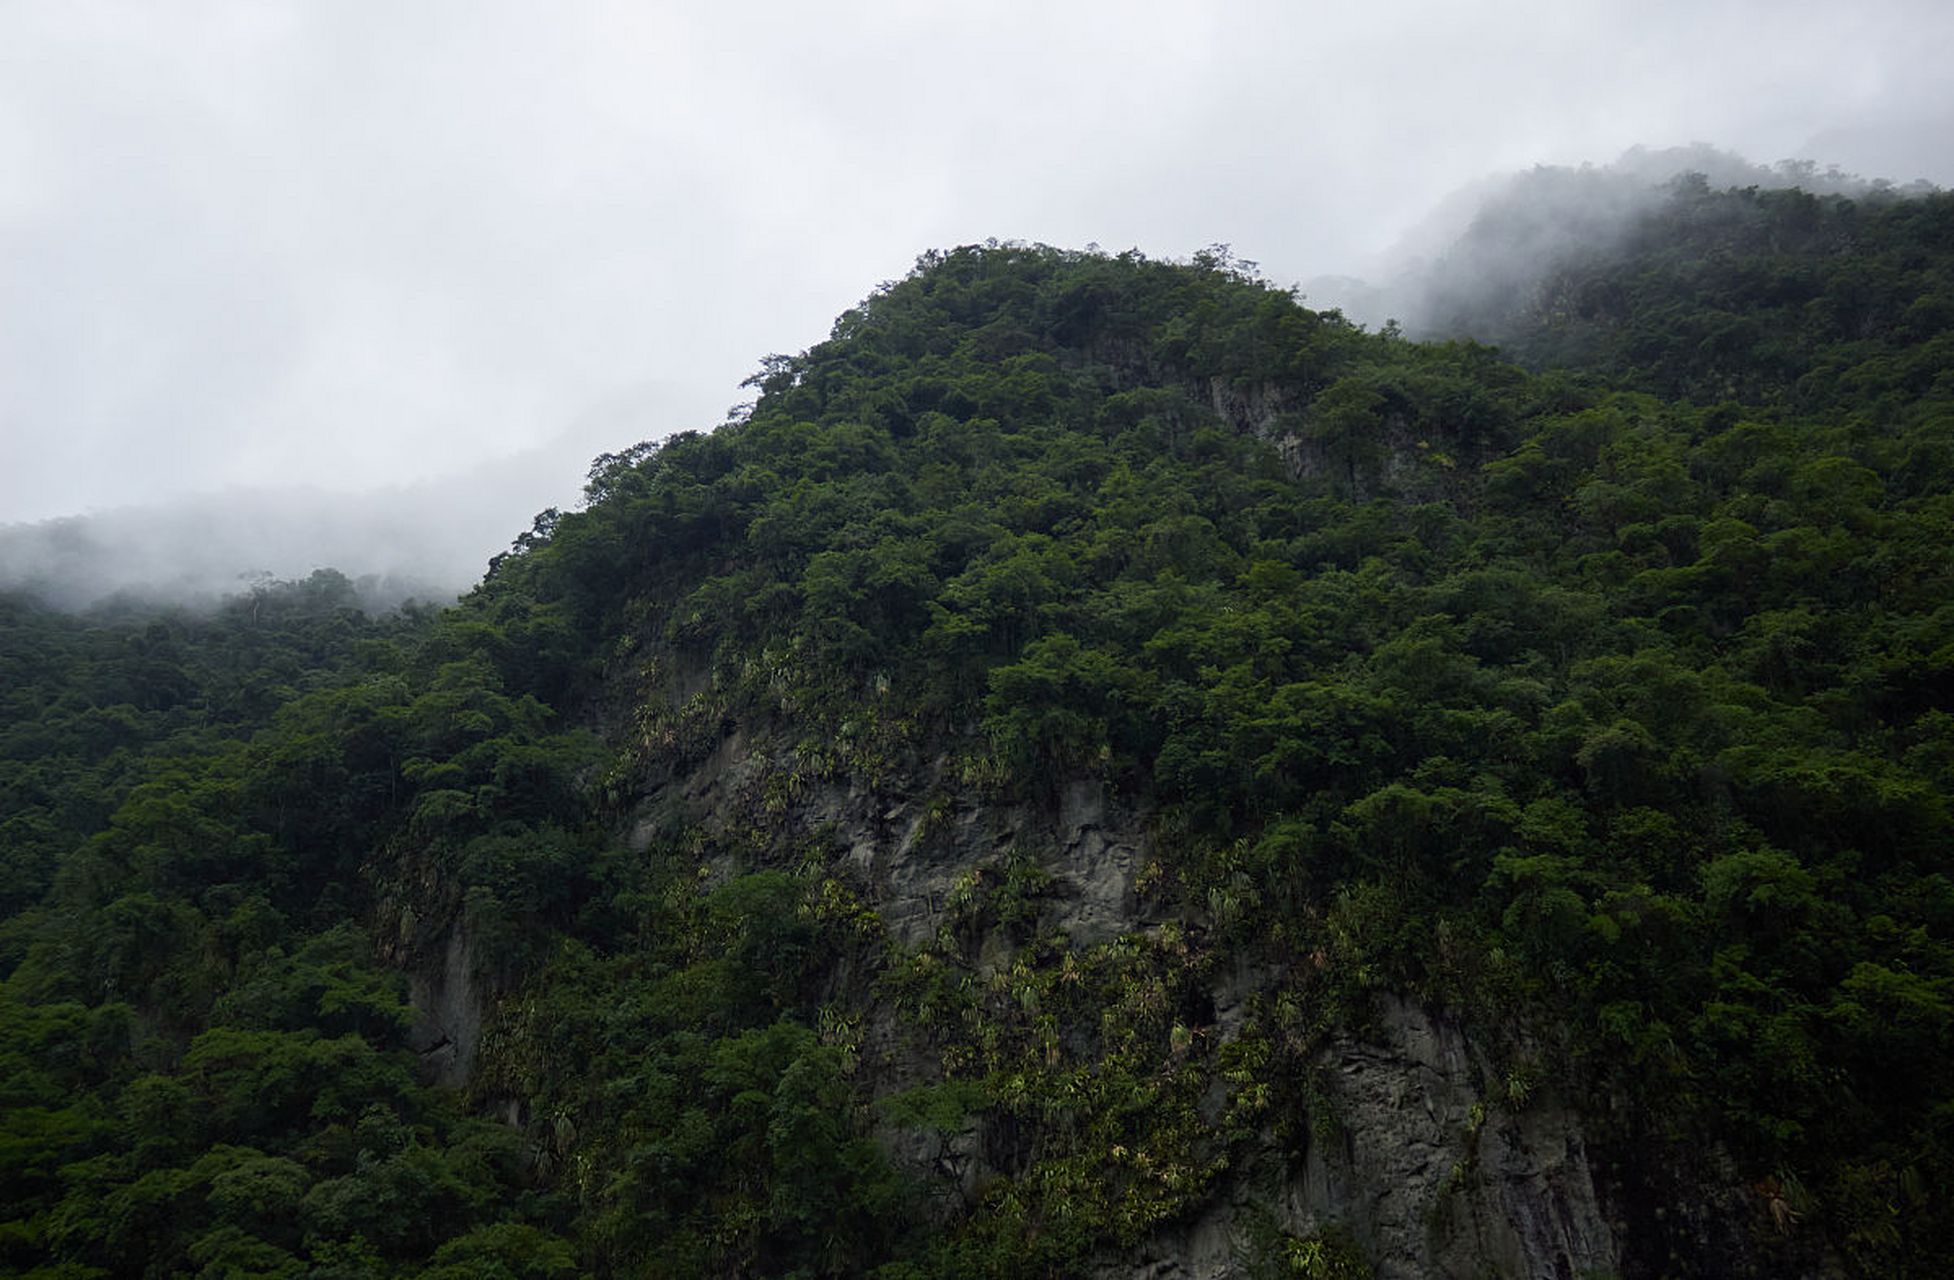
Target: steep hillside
[(1819, 303), (1102, 770)]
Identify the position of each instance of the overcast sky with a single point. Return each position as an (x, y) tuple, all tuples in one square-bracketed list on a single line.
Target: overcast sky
[(348, 244)]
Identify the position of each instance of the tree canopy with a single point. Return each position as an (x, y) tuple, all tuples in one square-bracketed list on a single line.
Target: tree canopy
[(1609, 705)]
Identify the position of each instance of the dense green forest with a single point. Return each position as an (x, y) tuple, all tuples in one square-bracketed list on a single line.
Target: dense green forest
[(1604, 700)]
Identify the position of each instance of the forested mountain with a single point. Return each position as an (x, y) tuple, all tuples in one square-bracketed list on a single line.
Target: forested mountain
[(1102, 771), (1768, 296)]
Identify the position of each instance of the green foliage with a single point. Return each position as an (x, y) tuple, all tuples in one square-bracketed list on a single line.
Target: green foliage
[(1618, 722), (1271, 1254)]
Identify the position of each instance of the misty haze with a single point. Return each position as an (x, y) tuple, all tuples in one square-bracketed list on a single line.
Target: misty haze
[(1465, 270), (265, 249)]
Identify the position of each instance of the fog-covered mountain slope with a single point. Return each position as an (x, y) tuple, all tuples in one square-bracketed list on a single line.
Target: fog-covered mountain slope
[(425, 538), (1504, 248)]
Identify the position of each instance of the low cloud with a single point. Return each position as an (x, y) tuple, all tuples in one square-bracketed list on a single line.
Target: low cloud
[(1490, 241), (430, 540), (356, 245)]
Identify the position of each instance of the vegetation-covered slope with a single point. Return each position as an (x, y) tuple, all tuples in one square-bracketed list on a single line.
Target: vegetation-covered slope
[(1770, 296), (1617, 726)]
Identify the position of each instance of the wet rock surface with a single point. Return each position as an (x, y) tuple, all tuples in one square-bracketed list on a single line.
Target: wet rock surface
[(1416, 1158), (1411, 1165), (448, 1001)]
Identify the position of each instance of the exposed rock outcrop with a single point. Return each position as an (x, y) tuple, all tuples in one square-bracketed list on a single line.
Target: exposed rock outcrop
[(1418, 1158), (1415, 1166), (449, 1002)]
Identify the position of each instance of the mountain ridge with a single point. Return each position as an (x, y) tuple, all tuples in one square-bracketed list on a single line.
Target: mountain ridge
[(1037, 796)]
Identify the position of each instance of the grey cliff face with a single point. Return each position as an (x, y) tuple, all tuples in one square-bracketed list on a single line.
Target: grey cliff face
[(1410, 1164), (449, 1002), (1417, 1157)]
